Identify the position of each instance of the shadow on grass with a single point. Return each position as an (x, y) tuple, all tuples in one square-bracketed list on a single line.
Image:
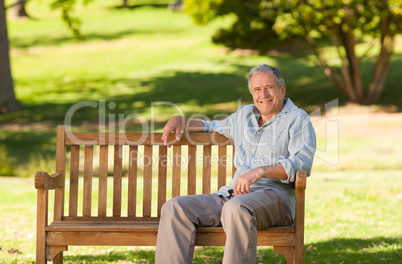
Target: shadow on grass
[(355, 250), (141, 5), (341, 250), (206, 93), (140, 256), (21, 43)]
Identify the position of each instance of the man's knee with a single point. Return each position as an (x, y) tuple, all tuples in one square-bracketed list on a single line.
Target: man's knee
[(170, 206), (234, 209)]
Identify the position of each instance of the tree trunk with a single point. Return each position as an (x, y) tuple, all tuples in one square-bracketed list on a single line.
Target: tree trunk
[(125, 3), (344, 85), (350, 84), (8, 102), (382, 65), (18, 9), (349, 44)]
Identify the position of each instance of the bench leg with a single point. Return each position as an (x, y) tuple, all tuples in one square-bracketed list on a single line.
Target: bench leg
[(287, 252), (55, 253), (58, 259)]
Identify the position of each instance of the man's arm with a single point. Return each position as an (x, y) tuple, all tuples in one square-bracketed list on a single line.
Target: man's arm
[(178, 124), (243, 182)]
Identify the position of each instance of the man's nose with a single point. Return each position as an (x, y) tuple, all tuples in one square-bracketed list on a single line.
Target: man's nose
[(265, 92)]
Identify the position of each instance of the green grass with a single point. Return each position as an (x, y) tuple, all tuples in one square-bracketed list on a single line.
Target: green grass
[(351, 217), (134, 57)]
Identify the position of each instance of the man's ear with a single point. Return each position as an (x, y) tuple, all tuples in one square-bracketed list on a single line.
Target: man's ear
[(283, 90)]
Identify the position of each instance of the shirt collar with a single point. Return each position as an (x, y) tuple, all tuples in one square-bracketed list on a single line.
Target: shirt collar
[(288, 106)]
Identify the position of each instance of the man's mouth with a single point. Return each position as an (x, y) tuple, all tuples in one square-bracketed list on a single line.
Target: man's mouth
[(266, 102)]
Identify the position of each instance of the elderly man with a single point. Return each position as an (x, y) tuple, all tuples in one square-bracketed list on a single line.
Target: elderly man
[(273, 139)]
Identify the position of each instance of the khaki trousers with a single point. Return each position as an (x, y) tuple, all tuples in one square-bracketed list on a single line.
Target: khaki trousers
[(241, 216)]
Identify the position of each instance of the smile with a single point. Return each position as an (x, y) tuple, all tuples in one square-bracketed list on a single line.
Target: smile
[(266, 102)]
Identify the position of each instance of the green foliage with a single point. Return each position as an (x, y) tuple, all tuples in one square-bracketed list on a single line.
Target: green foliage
[(249, 30), (67, 8), (299, 18), (265, 24), (7, 162), (262, 24)]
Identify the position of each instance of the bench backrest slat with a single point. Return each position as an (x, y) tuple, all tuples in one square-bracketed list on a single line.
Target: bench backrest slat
[(147, 190), (176, 170), (88, 173), (221, 166), (206, 169), (233, 164), (103, 170), (192, 171), (162, 177), (154, 172), (132, 181), (60, 168), (74, 173), (117, 178)]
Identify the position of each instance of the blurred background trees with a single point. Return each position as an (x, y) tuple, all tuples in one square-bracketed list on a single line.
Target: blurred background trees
[(19, 9), (343, 36), (357, 29), (8, 101)]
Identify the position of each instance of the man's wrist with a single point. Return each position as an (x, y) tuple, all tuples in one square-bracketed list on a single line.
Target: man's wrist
[(263, 172)]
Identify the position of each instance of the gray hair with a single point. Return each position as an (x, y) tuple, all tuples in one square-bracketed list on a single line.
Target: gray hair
[(266, 68)]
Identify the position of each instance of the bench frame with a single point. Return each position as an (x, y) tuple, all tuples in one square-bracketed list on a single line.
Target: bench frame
[(137, 230)]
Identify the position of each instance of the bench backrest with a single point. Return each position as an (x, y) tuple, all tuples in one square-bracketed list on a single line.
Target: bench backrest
[(137, 171)]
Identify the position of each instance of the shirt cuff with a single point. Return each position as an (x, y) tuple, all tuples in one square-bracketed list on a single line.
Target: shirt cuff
[(207, 126), (289, 169)]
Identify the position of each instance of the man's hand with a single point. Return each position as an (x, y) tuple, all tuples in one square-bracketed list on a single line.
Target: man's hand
[(178, 124), (243, 182), (175, 124)]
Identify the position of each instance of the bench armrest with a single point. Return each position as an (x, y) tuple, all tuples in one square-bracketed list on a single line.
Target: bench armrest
[(48, 182), (301, 181)]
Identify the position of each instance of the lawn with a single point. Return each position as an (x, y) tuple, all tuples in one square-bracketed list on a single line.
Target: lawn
[(351, 217), (153, 63)]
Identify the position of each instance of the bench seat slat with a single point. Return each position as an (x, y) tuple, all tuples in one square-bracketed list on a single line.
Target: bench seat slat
[(111, 218), (145, 233), (151, 225)]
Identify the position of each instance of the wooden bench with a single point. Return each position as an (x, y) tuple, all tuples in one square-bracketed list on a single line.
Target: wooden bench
[(129, 215)]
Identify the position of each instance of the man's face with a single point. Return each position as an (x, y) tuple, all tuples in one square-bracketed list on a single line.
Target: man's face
[(267, 96)]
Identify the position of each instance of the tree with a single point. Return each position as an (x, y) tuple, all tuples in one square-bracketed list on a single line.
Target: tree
[(18, 9), (263, 24), (8, 102)]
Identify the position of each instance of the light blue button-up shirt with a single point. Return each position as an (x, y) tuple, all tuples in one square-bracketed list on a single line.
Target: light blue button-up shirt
[(288, 138)]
